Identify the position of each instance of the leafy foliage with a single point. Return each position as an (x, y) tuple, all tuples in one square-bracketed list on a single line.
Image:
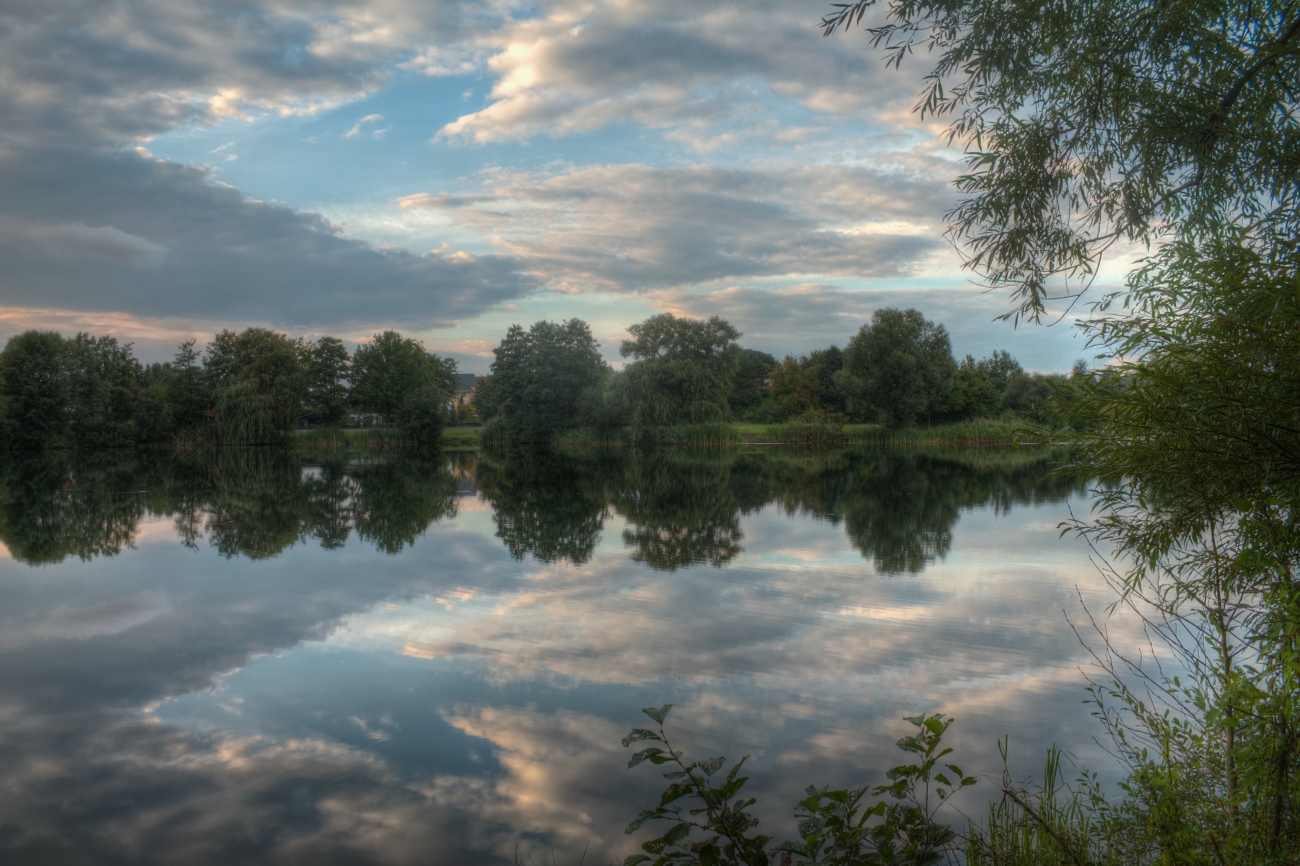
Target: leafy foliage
[(806, 387), (258, 385), (750, 385), (1090, 123), (391, 370), (836, 828), (1171, 126), (539, 379), (33, 390), (900, 365), (328, 367), (683, 370)]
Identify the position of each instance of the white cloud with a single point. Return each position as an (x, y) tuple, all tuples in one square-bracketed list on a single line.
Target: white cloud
[(578, 66), (356, 127)]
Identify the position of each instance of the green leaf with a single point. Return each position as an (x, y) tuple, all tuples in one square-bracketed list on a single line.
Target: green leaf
[(675, 791), (645, 815), (634, 859), (658, 714), (639, 734), (677, 834), (645, 754)]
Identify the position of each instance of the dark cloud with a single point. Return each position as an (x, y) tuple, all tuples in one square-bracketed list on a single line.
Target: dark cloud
[(124, 232)]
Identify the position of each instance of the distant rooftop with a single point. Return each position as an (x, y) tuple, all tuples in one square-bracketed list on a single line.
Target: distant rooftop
[(466, 382)]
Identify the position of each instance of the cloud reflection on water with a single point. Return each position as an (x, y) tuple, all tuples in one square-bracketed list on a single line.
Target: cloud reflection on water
[(456, 683)]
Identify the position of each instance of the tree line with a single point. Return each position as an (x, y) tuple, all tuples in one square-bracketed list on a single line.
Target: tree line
[(247, 388), (898, 371), (257, 386)]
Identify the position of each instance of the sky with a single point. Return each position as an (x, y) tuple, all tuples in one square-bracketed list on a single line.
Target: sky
[(447, 169)]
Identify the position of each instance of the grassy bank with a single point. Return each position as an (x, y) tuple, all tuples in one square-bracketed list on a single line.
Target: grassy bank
[(807, 434), (332, 438)]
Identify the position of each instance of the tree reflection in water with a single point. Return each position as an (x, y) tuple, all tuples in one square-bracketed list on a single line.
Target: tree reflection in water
[(680, 510), (253, 502), (898, 508), (551, 506)]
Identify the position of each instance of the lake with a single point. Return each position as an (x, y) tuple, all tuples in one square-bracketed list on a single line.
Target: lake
[(255, 657)]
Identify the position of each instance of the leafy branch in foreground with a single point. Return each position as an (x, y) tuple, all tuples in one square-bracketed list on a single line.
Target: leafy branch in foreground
[(711, 825)]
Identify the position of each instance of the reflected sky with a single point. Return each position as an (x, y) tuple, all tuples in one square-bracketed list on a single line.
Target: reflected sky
[(255, 657)]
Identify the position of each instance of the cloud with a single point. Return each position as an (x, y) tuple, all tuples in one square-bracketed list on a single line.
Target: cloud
[(126, 233), (641, 227), (356, 127), (89, 224), (576, 66), (101, 242)]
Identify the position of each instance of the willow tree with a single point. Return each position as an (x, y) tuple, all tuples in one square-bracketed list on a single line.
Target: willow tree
[(1172, 128), (682, 371), (258, 386)]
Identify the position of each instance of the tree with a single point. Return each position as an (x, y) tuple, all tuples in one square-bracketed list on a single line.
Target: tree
[(328, 367), (753, 368), (900, 365), (1087, 123), (33, 390), (974, 392), (390, 369), (683, 370), (258, 385), (1032, 396), (423, 414), (540, 378), (806, 386), (102, 382), (1001, 369)]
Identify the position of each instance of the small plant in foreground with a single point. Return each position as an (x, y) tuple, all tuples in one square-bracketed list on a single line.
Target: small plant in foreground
[(836, 828)]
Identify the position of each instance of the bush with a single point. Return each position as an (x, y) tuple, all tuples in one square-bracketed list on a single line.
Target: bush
[(422, 417)]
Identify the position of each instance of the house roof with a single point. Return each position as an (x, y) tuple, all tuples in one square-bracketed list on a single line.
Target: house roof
[(466, 382)]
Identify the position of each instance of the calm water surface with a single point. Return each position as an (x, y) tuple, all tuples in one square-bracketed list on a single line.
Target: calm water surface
[(256, 658)]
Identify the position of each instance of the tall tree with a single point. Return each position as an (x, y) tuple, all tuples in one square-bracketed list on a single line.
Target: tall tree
[(258, 385), (683, 370), (806, 385), (1172, 126), (539, 379), (328, 368), (900, 366), (102, 381), (753, 369), (390, 369), (33, 390)]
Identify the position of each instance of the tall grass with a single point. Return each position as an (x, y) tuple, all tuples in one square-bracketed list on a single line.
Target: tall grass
[(336, 439), (679, 436)]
